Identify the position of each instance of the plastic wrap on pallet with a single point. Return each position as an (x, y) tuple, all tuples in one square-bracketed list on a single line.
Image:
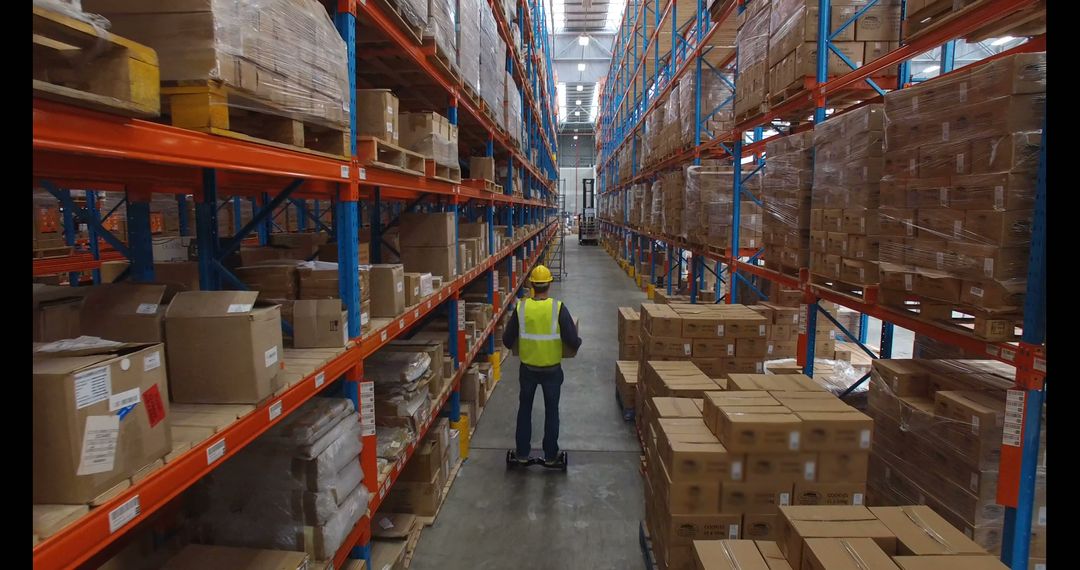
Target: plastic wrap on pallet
[(671, 132), (415, 12), (845, 234), (752, 38), (786, 183), (492, 62), (656, 211), (468, 43), (73, 9), (958, 187), (441, 15), (279, 57), (673, 186), (717, 98), (938, 431), (513, 109), (650, 147), (299, 487), (429, 135)]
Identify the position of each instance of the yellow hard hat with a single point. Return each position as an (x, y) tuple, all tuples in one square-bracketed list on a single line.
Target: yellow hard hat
[(541, 274)]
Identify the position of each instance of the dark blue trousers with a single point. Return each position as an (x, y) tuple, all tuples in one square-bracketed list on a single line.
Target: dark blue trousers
[(550, 381)]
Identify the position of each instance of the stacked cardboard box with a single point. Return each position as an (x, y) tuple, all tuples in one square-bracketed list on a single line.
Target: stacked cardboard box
[(289, 61), (468, 42), (752, 37), (431, 135), (652, 140), (719, 339), (786, 200), (710, 187), (428, 244), (629, 334), (844, 225), (959, 188), (715, 110), (673, 191), (419, 488), (939, 430), (440, 26), (626, 379), (792, 51), (656, 207), (492, 65)]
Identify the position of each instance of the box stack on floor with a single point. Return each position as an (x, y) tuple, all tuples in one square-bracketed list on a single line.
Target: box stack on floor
[(786, 202), (850, 537), (719, 339), (720, 462), (958, 191), (940, 427), (844, 221)]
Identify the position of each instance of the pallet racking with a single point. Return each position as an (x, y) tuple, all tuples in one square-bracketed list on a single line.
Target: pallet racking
[(75, 148), (660, 42)]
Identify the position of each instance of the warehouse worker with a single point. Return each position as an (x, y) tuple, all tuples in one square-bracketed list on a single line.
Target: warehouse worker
[(540, 326)]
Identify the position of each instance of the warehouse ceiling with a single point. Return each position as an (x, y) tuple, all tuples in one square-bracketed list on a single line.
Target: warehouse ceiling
[(581, 56)]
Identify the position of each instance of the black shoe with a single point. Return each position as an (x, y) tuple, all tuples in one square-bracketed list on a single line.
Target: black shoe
[(552, 462)]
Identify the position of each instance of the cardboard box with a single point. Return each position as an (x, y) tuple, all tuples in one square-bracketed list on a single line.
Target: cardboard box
[(427, 460), (811, 493), (922, 532), (379, 117), (438, 229), (207, 557), (781, 467), (412, 288), (757, 526), (482, 168), (84, 440), (223, 347), (845, 554), (387, 290), (842, 466), (271, 281), (56, 312), (329, 252), (183, 274), (798, 523), (629, 326), (689, 497), (728, 555), (949, 563), (761, 498), (713, 401), (414, 497), (684, 530), (320, 324), (774, 382), (438, 261), (836, 431)]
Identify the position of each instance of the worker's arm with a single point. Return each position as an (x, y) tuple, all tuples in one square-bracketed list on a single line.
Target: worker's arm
[(510, 334), (567, 329)]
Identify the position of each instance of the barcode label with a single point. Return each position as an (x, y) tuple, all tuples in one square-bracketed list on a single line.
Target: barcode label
[(785, 499), (123, 399), (857, 499), (124, 514), (320, 379), (239, 307), (793, 441), (810, 470), (215, 451), (1013, 431), (146, 308), (382, 336), (736, 470), (345, 172), (151, 361), (92, 386), (275, 410), (733, 531), (363, 171)]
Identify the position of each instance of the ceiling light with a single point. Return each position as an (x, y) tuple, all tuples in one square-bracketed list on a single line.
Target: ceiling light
[(580, 88), (575, 137), (583, 41), (577, 113), (931, 69), (578, 102), (581, 67), (1003, 40)]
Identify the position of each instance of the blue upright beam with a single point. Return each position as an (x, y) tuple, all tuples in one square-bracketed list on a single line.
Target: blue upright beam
[(206, 232)]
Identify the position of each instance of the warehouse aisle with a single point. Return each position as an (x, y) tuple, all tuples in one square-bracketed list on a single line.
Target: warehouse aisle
[(586, 518)]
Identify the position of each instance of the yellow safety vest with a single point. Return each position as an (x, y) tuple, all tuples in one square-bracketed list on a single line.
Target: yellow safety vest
[(539, 343)]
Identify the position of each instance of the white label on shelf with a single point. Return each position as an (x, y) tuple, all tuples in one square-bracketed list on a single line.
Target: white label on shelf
[(1041, 519), (320, 379), (1040, 364), (733, 531), (382, 336), (386, 523), (864, 439), (367, 418), (270, 357), (686, 349), (146, 308), (759, 367), (239, 307), (124, 514), (1008, 354), (907, 281), (362, 173), (123, 399), (275, 410), (915, 104), (345, 172), (461, 315), (416, 313), (215, 451), (857, 499), (785, 499), (401, 324), (945, 131), (810, 470), (719, 330), (151, 361), (992, 351), (1013, 431), (793, 441), (92, 386), (367, 407), (975, 425), (99, 445), (976, 291), (736, 470), (367, 388), (382, 491)]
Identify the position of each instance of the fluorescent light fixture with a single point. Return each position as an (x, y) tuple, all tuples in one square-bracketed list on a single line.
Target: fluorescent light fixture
[(583, 41), (580, 88), (931, 69), (581, 67), (577, 113), (578, 102), (1001, 41), (575, 137)]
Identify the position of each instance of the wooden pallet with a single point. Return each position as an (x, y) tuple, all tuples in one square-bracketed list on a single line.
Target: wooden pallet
[(398, 17), (53, 252), (1026, 22), (472, 95), (379, 153), (484, 185), (444, 61), (440, 172), (218, 109), (75, 63), (994, 326)]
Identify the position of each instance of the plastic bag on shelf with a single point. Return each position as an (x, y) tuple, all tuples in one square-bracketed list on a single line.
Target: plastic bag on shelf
[(276, 57), (396, 367), (392, 441)]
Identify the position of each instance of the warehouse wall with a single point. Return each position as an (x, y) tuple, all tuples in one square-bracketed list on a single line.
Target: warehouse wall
[(570, 185), (577, 153)]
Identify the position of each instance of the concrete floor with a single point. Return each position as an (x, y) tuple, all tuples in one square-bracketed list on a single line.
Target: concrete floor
[(585, 518)]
